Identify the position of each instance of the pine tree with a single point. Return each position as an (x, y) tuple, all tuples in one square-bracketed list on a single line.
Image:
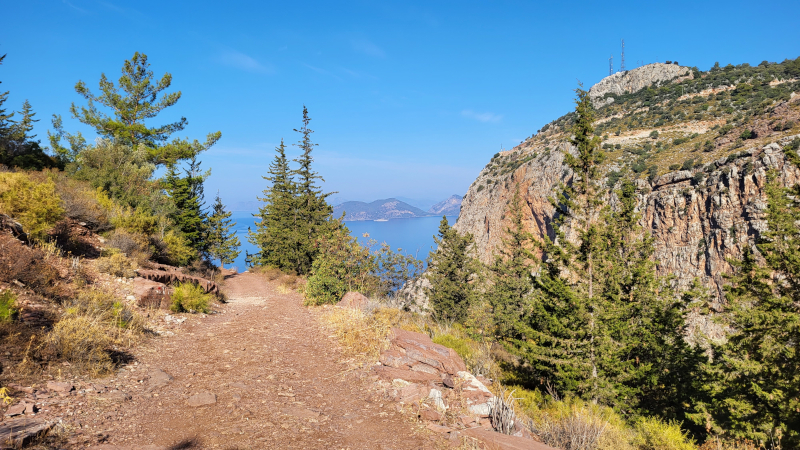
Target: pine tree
[(602, 325), (5, 118), (512, 280), (452, 273), (314, 214), (753, 381), (222, 243), (276, 233), (187, 194), (134, 100)]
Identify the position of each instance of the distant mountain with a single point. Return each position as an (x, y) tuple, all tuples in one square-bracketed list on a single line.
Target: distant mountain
[(448, 207), (390, 208)]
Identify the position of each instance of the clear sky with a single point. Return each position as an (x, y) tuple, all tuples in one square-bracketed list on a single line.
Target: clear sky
[(408, 98)]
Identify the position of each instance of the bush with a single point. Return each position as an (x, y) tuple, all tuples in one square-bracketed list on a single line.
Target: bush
[(189, 297), (27, 265), (674, 166), (8, 301), (127, 242), (80, 202), (176, 250), (117, 265), (654, 134), (35, 205), (82, 341), (654, 434), (748, 134)]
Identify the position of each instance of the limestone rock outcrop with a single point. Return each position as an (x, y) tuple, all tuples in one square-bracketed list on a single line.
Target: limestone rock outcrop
[(699, 217), (633, 80)]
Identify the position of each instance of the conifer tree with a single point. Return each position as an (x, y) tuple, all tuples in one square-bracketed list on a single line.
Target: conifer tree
[(314, 214), (276, 233), (511, 276), (133, 100), (753, 380), (602, 325), (5, 118), (187, 194), (222, 243), (452, 272)]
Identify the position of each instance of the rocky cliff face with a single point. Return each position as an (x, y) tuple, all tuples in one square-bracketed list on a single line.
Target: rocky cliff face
[(634, 80), (699, 217)]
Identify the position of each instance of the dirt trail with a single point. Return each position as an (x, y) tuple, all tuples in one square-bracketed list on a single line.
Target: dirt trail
[(275, 376)]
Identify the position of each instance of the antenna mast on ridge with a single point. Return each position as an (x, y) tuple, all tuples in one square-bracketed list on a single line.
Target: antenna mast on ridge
[(622, 63), (611, 65)]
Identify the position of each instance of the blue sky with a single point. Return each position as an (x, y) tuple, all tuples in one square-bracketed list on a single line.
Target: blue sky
[(408, 98)]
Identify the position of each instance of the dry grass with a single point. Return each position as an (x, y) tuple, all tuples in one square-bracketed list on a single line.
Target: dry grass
[(117, 265), (717, 444), (93, 326), (30, 266)]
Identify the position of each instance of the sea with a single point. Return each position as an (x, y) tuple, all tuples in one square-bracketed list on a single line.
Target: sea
[(412, 236)]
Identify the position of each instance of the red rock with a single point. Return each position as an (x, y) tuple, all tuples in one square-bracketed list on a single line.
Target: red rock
[(421, 348), (493, 440), (412, 393), (202, 399), (439, 428), (15, 410), (394, 358), (430, 415), (418, 367), (355, 300), (151, 294), (173, 276), (467, 420), (59, 386), (390, 373)]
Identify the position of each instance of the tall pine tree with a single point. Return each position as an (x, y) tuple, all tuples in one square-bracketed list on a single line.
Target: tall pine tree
[(313, 214), (753, 381), (186, 192), (602, 325), (221, 242), (277, 233), (452, 273), (511, 276)]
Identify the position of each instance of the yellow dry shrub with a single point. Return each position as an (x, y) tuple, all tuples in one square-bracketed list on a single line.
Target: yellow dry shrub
[(362, 335), (82, 341), (117, 265), (36, 205)]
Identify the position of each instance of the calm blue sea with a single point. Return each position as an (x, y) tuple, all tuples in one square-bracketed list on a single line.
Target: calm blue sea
[(414, 236)]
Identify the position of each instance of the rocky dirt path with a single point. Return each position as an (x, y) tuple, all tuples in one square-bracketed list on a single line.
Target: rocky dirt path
[(260, 374)]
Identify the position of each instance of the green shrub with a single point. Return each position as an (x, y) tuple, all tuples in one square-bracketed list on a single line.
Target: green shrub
[(325, 285), (748, 134), (8, 302), (34, 204), (674, 166), (189, 297), (117, 265), (653, 433), (177, 250)]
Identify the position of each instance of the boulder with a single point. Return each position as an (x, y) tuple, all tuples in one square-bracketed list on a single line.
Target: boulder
[(355, 300), (419, 347), (151, 294), (15, 433), (390, 373)]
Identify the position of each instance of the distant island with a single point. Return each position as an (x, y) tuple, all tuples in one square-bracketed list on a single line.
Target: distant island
[(392, 208)]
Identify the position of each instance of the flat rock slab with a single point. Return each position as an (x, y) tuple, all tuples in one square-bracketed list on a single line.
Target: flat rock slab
[(158, 379), (493, 440), (202, 399), (15, 410), (18, 432), (59, 386)]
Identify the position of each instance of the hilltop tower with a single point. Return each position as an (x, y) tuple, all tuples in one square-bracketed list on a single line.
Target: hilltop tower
[(611, 65), (622, 62)]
